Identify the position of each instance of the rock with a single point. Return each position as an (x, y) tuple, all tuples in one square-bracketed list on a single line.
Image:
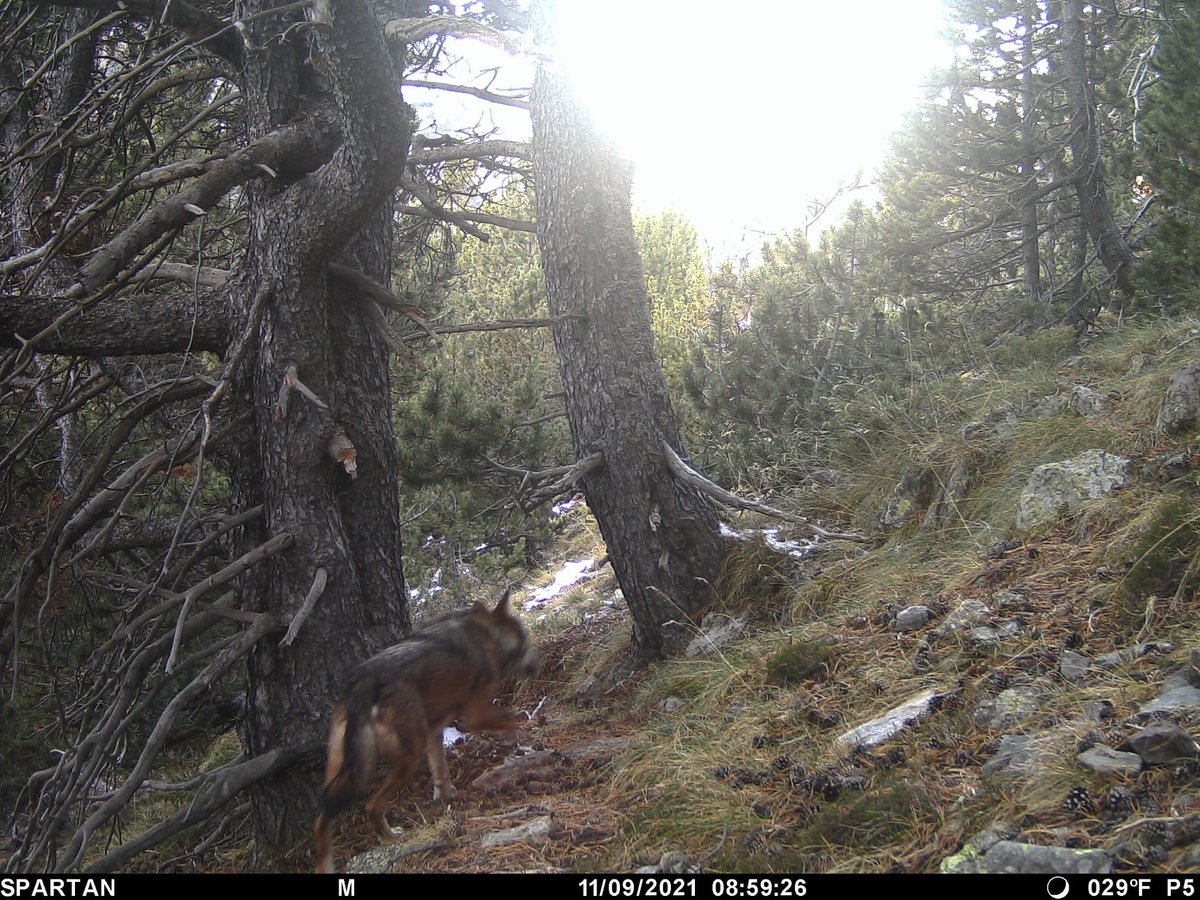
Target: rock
[(967, 615), (1001, 423), (382, 859), (670, 704), (1181, 698), (673, 862), (1013, 858), (1011, 600), (718, 632), (1062, 486), (536, 831), (1104, 760), (1018, 754), (887, 726), (1010, 707), (1087, 402), (1162, 743), (966, 861), (913, 617), (910, 497), (1074, 666), (987, 635), (1181, 403)]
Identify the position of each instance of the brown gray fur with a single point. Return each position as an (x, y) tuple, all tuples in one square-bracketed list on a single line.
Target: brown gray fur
[(400, 700)]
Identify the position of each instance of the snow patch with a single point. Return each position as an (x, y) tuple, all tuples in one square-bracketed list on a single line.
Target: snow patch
[(797, 549), (571, 573), (562, 507)]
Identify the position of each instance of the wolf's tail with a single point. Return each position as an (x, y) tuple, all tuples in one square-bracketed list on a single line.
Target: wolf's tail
[(350, 762)]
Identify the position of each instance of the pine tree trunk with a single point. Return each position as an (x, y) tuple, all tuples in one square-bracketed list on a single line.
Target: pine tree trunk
[(1087, 166), (663, 537), (347, 527), (1030, 251)]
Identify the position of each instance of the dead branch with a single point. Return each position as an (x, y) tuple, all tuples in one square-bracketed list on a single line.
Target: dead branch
[(213, 791), (223, 663), (406, 31), (497, 325), (320, 578), (476, 217), (227, 574), (291, 382), (471, 150), (687, 474), (489, 96), (538, 487)]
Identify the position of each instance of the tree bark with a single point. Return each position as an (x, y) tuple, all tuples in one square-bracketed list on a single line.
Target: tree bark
[(348, 527), (1030, 251), (323, 147), (662, 535), (1087, 168)]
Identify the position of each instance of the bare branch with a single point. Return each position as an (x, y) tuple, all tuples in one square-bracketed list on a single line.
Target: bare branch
[(538, 487), (116, 326), (320, 579), (489, 96), (498, 325), (407, 31), (471, 150), (686, 473), (237, 567), (476, 217), (296, 148)]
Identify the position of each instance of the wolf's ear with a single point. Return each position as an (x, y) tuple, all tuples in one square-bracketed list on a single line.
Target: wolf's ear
[(478, 608), (502, 607)]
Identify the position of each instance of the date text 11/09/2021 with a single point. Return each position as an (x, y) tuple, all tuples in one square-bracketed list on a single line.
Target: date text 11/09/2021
[(743, 886)]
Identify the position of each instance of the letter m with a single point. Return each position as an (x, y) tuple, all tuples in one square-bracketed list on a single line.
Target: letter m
[(345, 887)]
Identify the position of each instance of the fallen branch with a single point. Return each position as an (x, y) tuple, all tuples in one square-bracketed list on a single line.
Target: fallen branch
[(687, 474)]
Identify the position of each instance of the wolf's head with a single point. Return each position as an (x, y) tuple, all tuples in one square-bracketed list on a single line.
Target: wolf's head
[(517, 653)]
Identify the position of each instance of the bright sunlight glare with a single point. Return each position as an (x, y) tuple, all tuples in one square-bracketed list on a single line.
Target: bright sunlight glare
[(742, 115)]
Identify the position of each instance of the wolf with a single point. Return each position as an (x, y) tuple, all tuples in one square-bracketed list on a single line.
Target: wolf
[(400, 700)]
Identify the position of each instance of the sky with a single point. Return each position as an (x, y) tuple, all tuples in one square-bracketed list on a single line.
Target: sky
[(741, 116)]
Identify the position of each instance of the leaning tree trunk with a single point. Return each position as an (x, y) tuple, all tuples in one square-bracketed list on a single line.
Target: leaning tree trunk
[(346, 529), (662, 536), (1087, 166)]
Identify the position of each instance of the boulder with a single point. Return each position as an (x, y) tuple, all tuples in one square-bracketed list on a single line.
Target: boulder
[(1058, 487), (1181, 404)]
